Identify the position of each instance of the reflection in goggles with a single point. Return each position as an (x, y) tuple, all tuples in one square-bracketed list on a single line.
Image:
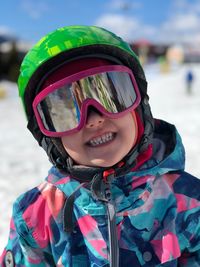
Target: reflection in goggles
[(59, 106)]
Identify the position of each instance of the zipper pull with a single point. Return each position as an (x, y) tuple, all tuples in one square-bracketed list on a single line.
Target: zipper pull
[(108, 175), (107, 178), (101, 184)]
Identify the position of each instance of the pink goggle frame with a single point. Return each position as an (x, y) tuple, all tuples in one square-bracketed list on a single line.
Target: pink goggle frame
[(123, 85)]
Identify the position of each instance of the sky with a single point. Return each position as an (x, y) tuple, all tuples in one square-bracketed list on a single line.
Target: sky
[(156, 20)]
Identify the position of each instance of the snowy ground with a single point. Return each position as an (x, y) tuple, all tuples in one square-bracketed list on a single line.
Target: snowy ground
[(23, 164)]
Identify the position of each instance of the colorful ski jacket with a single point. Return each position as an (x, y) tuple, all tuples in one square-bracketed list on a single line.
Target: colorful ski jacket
[(156, 211)]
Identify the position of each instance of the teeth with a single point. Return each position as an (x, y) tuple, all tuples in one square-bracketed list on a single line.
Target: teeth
[(102, 139)]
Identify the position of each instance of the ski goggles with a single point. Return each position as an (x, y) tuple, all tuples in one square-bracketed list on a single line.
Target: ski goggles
[(61, 108)]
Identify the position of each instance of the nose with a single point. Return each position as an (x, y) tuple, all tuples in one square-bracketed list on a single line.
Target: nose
[(94, 120)]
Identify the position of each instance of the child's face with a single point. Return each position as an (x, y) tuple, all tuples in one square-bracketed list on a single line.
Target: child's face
[(118, 137)]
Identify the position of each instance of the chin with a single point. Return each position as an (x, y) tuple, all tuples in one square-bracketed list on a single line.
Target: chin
[(103, 163)]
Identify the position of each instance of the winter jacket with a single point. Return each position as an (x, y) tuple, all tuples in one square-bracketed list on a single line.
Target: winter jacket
[(157, 211)]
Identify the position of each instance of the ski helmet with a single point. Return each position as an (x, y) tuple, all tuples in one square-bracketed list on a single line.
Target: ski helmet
[(66, 45)]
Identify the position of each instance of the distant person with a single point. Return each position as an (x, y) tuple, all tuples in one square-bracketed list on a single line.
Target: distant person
[(189, 81), (117, 194)]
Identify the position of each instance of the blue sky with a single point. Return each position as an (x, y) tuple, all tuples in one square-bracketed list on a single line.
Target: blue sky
[(156, 20)]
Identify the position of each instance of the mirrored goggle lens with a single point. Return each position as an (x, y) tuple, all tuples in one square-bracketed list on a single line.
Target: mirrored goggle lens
[(59, 106)]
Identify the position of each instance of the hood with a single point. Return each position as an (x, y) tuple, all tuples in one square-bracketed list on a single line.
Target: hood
[(168, 151)]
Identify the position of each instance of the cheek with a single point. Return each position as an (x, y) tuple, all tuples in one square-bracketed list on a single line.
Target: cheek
[(76, 150), (72, 149), (71, 144), (131, 127)]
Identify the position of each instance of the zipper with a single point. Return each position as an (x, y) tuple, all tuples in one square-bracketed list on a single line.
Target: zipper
[(101, 191), (111, 214)]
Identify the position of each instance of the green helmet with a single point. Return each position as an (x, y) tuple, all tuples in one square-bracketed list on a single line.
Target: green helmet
[(69, 43), (63, 46)]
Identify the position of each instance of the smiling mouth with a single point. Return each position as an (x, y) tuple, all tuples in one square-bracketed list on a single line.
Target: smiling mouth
[(101, 140)]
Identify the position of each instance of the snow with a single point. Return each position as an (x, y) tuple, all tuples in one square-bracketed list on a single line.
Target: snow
[(23, 164)]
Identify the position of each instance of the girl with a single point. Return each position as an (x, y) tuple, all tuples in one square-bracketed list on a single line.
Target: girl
[(117, 193)]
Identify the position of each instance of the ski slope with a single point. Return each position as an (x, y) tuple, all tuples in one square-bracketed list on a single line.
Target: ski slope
[(23, 164)]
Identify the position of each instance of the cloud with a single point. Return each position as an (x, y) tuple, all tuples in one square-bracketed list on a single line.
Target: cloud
[(6, 34), (121, 5), (182, 25), (186, 6), (35, 9), (119, 24), (5, 30), (127, 27)]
